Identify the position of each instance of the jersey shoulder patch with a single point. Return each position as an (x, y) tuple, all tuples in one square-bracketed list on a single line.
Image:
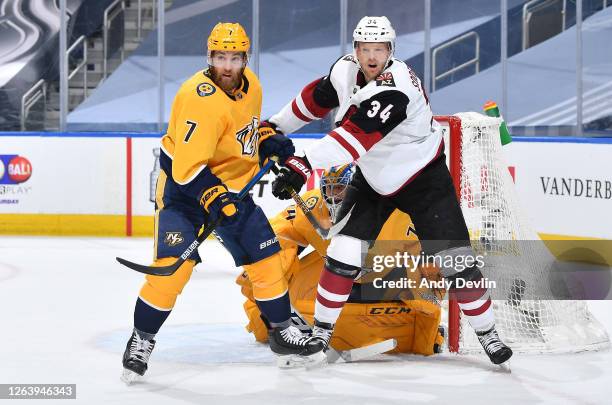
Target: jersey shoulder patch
[(349, 58), (385, 79), (205, 89), (312, 197), (312, 202)]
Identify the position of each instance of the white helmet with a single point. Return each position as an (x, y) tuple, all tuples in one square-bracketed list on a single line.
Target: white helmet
[(374, 29)]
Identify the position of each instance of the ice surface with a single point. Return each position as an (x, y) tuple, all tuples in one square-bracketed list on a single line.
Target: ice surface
[(67, 311)]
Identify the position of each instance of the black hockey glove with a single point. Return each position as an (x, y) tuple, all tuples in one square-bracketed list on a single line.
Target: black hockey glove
[(217, 202), (293, 176), (273, 143)]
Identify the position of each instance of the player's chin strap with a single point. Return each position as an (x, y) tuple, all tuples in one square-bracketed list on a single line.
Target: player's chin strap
[(171, 269), (323, 231)]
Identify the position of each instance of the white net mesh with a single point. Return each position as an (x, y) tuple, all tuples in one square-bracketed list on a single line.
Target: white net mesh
[(525, 321)]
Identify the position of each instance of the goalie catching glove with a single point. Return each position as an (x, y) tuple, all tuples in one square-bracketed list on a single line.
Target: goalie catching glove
[(273, 143), (296, 172), (217, 201)]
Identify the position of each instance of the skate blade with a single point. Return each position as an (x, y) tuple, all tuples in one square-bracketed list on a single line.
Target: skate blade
[(504, 367), (296, 361), (129, 377), (316, 360)]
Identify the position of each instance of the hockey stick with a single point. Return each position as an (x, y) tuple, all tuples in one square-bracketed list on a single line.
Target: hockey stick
[(324, 232), (171, 269), (360, 353), (333, 356)]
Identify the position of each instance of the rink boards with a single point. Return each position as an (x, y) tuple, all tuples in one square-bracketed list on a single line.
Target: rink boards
[(100, 184)]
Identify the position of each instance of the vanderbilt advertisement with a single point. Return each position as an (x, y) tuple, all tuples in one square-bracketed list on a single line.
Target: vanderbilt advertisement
[(567, 187)]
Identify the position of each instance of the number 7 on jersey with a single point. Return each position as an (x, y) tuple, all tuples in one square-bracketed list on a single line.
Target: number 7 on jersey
[(190, 131)]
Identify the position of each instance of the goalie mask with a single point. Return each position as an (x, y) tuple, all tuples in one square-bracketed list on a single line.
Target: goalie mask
[(375, 29), (333, 187)]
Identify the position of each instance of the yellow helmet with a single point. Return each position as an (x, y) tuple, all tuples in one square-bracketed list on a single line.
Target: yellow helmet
[(228, 37)]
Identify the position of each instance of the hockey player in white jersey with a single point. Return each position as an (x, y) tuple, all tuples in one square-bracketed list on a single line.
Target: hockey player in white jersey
[(385, 124)]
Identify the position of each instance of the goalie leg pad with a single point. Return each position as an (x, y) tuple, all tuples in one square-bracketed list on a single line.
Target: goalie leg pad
[(414, 324), (259, 327), (256, 325)]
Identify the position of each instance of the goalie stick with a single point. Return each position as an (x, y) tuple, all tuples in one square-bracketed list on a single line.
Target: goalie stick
[(324, 232), (360, 353), (333, 356), (171, 269)]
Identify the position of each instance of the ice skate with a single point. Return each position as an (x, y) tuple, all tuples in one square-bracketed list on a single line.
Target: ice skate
[(319, 342), (292, 347), (136, 357), (497, 351)]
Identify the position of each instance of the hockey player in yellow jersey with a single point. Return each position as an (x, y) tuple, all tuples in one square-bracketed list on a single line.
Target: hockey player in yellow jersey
[(212, 148), (411, 317)]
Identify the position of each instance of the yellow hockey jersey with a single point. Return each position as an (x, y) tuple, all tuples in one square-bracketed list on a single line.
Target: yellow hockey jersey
[(292, 225), (210, 129), (360, 324)]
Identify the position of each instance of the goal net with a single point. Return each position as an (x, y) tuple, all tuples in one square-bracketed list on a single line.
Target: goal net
[(528, 318)]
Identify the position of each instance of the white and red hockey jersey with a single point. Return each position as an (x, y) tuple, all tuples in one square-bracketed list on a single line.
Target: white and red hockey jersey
[(386, 126)]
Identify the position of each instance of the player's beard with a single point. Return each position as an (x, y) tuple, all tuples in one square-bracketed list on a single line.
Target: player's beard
[(225, 81)]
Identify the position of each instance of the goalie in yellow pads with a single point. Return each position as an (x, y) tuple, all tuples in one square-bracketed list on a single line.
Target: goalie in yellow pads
[(371, 315)]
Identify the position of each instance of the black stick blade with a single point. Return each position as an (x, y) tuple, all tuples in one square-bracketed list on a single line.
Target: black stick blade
[(155, 271)]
